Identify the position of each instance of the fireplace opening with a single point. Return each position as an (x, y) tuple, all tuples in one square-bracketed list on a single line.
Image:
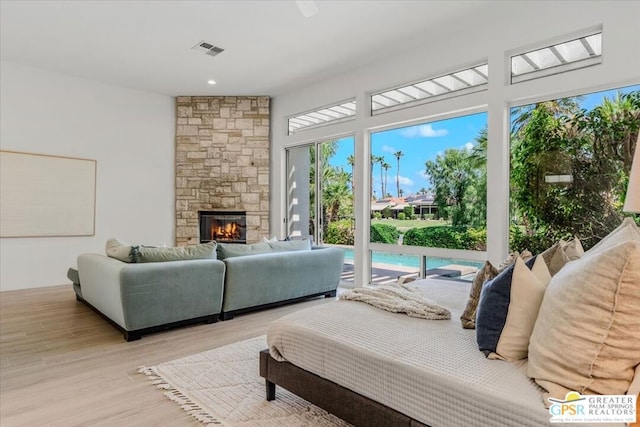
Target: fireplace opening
[(226, 227)]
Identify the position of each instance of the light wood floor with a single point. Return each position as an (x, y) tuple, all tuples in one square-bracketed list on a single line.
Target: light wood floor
[(63, 365)]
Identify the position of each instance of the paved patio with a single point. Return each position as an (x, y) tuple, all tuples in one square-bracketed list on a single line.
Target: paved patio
[(384, 274)]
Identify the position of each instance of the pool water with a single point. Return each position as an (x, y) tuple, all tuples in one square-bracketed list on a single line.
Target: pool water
[(411, 260)]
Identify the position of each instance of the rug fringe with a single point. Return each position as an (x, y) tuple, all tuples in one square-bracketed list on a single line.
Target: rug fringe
[(187, 405)]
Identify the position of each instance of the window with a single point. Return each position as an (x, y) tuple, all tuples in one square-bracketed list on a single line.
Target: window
[(570, 162), (456, 83), (569, 55), (322, 116), (429, 190)]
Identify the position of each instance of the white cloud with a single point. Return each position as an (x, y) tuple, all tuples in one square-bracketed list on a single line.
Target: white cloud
[(469, 145), (405, 181), (425, 131), (388, 149), (423, 174)]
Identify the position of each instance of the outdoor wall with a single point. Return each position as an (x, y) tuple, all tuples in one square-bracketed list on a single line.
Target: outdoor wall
[(299, 201), (130, 133), (485, 34)]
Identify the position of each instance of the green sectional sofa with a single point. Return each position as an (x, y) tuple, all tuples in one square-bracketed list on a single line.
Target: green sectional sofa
[(272, 278), (143, 298), (152, 294)]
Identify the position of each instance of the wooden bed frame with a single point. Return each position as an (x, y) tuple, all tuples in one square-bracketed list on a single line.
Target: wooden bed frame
[(339, 401)]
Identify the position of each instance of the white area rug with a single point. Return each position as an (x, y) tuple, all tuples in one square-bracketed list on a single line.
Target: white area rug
[(223, 387)]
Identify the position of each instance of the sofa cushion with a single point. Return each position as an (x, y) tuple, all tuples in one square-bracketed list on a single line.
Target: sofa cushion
[(180, 253), (509, 307), (587, 336), (468, 317), (290, 245), (229, 250), (118, 249)]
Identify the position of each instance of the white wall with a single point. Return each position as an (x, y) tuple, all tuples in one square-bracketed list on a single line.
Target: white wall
[(491, 35), (129, 133)]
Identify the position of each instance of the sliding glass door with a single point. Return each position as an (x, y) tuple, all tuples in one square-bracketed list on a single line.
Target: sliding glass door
[(320, 193)]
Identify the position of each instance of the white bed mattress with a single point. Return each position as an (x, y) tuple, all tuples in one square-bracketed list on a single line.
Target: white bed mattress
[(430, 370)]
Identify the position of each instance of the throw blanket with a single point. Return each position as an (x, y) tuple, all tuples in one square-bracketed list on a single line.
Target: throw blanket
[(398, 299)]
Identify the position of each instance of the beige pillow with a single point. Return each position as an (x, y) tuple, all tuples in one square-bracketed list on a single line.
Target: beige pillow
[(561, 253), (118, 249), (527, 291), (508, 310), (573, 249), (555, 258), (627, 230), (468, 317), (513, 256), (634, 388), (587, 336)]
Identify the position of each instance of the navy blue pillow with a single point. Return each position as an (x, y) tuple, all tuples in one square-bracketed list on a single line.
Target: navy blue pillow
[(493, 308)]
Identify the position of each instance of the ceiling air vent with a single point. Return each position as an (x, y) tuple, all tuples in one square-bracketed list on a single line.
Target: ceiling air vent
[(207, 48)]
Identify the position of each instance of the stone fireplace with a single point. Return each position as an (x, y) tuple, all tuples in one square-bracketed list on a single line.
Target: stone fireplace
[(222, 163)]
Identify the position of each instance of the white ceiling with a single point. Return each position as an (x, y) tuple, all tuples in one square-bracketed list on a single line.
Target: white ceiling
[(270, 47)]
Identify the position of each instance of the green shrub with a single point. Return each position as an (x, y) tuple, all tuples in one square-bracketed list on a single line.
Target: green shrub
[(476, 239), (386, 212), (339, 233), (447, 237), (377, 215), (384, 233), (408, 212), (401, 216), (535, 242), (427, 216)]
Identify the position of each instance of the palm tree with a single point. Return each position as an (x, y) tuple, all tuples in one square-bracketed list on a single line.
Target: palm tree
[(336, 194), (386, 166), (398, 155), (374, 159), (382, 162), (478, 154), (351, 161)]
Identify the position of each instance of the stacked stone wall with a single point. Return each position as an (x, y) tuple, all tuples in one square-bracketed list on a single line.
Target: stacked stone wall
[(222, 162)]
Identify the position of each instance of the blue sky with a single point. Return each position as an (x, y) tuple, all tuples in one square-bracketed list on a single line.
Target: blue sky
[(423, 142)]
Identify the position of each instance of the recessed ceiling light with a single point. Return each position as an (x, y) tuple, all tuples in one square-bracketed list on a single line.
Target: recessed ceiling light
[(211, 82)]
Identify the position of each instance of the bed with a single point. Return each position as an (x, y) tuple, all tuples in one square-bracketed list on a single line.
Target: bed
[(372, 367)]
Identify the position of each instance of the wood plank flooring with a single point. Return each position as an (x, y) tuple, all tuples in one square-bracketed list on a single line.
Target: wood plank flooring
[(63, 365)]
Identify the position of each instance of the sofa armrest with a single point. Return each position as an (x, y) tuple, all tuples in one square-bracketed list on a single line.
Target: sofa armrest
[(138, 296), (100, 279)]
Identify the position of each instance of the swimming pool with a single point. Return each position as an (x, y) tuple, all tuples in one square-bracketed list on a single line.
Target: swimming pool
[(403, 260)]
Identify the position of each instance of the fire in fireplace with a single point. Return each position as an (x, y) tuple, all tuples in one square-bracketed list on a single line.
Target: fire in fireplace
[(227, 227)]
